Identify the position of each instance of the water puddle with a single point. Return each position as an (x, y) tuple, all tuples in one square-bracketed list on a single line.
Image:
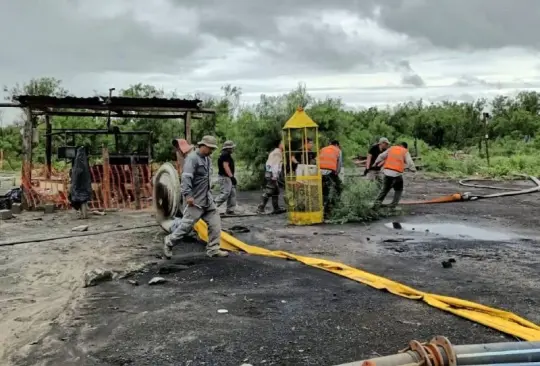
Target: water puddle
[(456, 231)]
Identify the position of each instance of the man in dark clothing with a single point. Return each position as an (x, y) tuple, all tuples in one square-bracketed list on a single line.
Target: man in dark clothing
[(227, 181), (393, 161), (331, 163), (372, 170)]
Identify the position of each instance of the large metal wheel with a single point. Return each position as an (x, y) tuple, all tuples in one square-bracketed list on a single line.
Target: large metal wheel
[(166, 195)]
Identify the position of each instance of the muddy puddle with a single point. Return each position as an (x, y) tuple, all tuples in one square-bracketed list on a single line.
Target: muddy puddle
[(456, 231)]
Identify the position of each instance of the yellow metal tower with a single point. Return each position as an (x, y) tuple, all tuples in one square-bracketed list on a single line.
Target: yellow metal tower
[(303, 187)]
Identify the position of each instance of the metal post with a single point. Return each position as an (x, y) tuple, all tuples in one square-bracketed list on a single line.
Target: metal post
[(48, 146), (524, 353), (485, 118)]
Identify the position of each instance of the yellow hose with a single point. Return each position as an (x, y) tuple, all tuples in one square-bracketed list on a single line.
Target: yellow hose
[(501, 320), (166, 200)]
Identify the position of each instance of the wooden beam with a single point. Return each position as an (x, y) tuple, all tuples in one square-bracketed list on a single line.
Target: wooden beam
[(10, 105), (106, 181), (187, 127), (136, 183), (119, 108), (105, 115), (48, 146), (27, 137)]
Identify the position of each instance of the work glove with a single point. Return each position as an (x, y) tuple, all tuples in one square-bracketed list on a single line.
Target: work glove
[(366, 171), (234, 182)]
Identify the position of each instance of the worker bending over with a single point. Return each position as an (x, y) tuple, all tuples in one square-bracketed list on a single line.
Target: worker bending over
[(272, 173), (373, 171), (195, 189), (331, 163), (227, 180), (394, 161)]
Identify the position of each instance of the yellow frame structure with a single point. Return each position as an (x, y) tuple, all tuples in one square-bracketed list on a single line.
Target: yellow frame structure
[(313, 213)]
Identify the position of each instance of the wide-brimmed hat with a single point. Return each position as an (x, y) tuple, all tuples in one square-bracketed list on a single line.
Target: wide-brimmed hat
[(209, 141), (229, 144), (383, 140)]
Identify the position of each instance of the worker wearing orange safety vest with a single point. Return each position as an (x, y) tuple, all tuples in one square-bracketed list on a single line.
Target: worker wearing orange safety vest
[(394, 161), (330, 163)]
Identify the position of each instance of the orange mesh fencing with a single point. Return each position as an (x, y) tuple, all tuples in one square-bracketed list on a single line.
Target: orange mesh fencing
[(118, 187)]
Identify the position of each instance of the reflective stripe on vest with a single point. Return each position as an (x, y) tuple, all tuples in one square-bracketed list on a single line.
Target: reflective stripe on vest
[(396, 159), (328, 158)]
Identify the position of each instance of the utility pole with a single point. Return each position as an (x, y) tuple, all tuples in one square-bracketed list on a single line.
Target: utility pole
[(485, 120)]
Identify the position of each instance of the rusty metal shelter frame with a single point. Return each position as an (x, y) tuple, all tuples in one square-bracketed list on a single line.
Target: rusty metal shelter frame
[(106, 107)]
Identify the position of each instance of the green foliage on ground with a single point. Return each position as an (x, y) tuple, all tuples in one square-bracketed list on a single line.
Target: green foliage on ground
[(439, 130), (356, 202)]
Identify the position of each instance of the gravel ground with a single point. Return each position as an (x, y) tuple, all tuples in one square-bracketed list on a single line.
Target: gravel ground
[(278, 312)]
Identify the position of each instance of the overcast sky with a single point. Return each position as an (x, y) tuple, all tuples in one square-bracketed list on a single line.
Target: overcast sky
[(368, 52)]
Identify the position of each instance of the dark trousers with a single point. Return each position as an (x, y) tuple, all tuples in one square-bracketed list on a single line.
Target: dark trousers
[(331, 190), (389, 183), (271, 191)]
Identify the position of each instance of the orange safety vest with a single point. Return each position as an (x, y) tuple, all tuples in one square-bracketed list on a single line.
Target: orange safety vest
[(396, 159), (328, 158)]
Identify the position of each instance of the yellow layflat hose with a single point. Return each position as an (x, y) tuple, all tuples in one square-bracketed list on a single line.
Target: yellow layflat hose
[(501, 320)]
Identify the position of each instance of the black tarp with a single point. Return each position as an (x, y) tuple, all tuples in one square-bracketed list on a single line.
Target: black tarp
[(12, 196), (81, 184)]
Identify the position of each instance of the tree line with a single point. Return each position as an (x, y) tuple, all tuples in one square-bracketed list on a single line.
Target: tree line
[(256, 127)]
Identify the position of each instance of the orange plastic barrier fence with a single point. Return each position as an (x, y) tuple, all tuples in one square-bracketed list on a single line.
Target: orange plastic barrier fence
[(118, 187)]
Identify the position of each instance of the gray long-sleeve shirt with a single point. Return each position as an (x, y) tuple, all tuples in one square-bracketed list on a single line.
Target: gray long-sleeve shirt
[(392, 173), (196, 178)]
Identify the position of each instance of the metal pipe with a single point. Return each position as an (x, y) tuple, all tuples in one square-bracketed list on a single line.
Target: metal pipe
[(523, 353), (517, 352), (511, 364), (400, 359)]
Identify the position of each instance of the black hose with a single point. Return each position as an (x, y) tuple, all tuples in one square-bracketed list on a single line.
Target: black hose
[(69, 236)]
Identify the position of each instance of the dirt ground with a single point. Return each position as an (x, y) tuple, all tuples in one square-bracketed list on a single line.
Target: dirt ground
[(278, 312)]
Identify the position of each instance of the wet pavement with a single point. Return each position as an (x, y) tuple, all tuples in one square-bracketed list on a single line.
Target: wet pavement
[(452, 230)]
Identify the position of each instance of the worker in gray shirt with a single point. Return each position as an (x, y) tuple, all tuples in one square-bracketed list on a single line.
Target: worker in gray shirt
[(195, 190)]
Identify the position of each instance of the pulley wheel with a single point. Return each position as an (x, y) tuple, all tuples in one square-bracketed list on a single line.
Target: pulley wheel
[(166, 195)]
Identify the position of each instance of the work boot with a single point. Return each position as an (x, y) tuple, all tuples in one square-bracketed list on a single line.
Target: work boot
[(230, 212), (218, 253), (262, 206), (396, 199), (167, 248), (275, 205)]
